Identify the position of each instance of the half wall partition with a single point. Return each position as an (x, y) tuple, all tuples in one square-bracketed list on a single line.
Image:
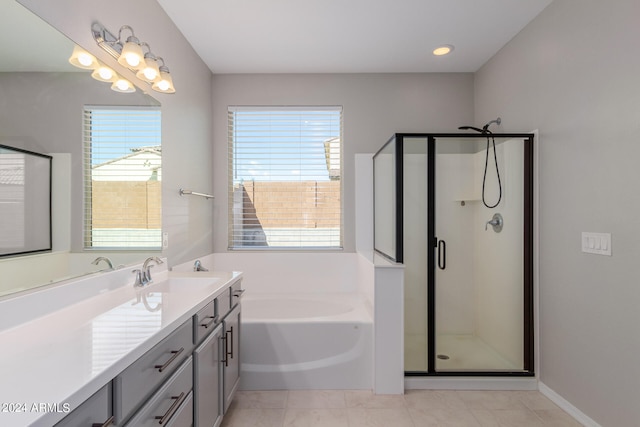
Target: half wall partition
[(457, 211)]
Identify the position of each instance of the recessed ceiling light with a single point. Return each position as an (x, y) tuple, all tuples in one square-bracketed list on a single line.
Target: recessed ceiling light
[(443, 50)]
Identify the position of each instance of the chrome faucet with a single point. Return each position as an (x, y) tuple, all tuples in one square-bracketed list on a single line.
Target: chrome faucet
[(197, 266), (139, 278), (105, 259), (146, 269)]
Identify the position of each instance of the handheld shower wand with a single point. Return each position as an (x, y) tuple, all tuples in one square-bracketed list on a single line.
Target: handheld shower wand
[(485, 131)]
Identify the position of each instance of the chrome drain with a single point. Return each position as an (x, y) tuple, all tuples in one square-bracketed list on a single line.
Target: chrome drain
[(442, 357)]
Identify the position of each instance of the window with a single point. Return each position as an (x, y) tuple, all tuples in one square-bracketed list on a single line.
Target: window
[(284, 182), (122, 157)]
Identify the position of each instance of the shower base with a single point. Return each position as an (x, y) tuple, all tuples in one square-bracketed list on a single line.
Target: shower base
[(464, 352)]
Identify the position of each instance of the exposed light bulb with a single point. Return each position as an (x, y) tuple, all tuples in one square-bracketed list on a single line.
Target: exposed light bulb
[(122, 84), (132, 59), (131, 55), (163, 85), (150, 73), (105, 73), (165, 82), (85, 59), (82, 59)]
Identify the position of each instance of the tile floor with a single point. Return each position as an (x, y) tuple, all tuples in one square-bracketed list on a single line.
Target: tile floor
[(417, 408)]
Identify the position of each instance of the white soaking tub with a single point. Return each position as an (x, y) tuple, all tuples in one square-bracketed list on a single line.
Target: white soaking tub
[(306, 341)]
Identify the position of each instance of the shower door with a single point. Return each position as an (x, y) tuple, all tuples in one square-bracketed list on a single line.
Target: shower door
[(478, 248), (468, 302)]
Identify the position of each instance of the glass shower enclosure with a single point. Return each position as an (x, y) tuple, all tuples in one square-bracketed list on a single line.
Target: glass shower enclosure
[(457, 211)]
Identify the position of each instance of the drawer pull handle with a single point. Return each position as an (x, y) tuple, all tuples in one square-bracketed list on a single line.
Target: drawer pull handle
[(225, 359), (238, 293), (175, 353), (214, 319), (230, 353), (105, 424), (172, 409)]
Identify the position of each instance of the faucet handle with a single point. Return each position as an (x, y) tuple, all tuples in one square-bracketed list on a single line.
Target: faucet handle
[(147, 274), (496, 222), (139, 277)]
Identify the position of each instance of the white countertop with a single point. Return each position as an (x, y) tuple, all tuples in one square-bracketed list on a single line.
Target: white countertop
[(52, 363)]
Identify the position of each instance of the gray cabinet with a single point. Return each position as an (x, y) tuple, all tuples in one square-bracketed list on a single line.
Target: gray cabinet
[(168, 403), (172, 384), (141, 379), (231, 356), (95, 411), (205, 321), (207, 381)]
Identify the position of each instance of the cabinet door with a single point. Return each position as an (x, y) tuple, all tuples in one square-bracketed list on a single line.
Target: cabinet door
[(231, 356), (96, 410), (207, 381)]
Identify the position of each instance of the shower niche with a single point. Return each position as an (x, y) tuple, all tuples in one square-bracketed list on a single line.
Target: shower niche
[(456, 209)]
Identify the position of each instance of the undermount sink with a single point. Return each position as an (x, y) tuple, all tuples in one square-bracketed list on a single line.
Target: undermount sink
[(177, 283)]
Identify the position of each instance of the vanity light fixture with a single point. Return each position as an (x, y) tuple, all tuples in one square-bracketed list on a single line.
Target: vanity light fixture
[(445, 49), (123, 85), (82, 59), (149, 70), (164, 83), (103, 73), (129, 53)]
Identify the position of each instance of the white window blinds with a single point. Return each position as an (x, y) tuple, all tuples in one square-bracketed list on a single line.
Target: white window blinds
[(284, 177), (122, 158)]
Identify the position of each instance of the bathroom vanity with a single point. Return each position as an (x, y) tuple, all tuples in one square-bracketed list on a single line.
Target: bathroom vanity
[(166, 353)]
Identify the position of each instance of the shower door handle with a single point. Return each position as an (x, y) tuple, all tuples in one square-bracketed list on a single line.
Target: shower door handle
[(442, 254)]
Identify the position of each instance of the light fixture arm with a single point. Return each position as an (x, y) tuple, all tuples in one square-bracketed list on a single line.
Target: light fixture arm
[(126, 27), (148, 53), (106, 40)]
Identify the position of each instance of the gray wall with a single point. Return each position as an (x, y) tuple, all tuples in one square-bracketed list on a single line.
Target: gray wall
[(374, 107), (186, 115), (574, 74)]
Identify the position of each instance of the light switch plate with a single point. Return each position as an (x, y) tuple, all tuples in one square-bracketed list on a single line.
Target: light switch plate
[(596, 243)]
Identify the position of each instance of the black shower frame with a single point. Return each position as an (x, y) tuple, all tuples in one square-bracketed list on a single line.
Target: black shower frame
[(528, 296)]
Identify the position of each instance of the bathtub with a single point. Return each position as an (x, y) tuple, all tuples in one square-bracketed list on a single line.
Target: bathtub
[(306, 341)]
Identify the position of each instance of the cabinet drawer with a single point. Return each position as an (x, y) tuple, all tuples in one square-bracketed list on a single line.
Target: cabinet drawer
[(167, 406), (205, 321), (229, 298), (96, 410), (137, 382), (184, 414), (236, 293)]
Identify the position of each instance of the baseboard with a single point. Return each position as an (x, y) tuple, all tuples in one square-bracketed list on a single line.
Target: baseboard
[(567, 406), (469, 383)]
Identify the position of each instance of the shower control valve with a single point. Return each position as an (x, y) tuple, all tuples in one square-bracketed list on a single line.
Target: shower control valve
[(496, 222)]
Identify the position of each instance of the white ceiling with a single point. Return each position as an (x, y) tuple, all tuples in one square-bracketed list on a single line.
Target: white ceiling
[(348, 36)]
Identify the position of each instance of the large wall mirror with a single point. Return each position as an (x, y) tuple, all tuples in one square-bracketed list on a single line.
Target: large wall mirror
[(43, 109)]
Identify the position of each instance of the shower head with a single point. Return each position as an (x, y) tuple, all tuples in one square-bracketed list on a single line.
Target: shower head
[(472, 128), (485, 128), (497, 121)]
